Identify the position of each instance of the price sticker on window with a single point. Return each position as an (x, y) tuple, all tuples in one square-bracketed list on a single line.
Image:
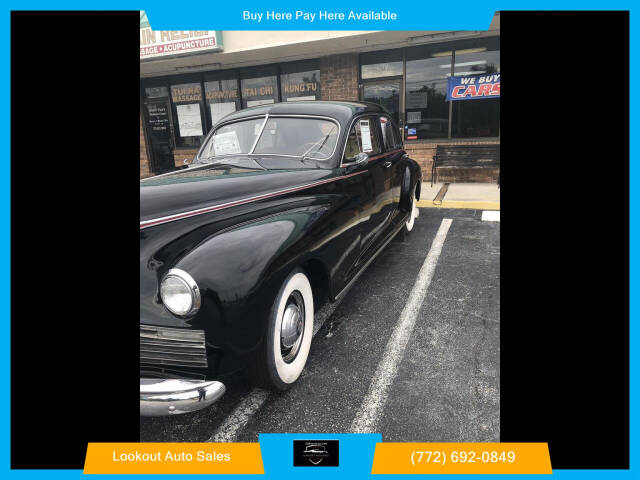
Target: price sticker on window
[(365, 135)]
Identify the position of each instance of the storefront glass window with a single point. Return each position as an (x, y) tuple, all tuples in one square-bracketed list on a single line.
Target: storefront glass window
[(222, 98), (481, 117), (300, 82), (427, 111), (385, 93), (258, 89), (381, 64), (187, 108)]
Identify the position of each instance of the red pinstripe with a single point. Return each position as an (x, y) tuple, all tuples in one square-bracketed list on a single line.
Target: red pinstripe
[(214, 208)]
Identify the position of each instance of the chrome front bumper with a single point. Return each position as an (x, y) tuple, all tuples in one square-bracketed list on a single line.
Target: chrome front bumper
[(170, 397)]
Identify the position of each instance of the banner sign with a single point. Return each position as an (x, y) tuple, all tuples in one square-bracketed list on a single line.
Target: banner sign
[(346, 455), (473, 87), (154, 44)]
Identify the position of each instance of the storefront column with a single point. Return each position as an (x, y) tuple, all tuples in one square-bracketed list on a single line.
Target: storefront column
[(339, 77)]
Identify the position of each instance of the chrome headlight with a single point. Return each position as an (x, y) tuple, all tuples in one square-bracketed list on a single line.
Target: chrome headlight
[(180, 293)]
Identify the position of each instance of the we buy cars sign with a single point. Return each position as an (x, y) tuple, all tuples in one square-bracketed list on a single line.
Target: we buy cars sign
[(473, 87)]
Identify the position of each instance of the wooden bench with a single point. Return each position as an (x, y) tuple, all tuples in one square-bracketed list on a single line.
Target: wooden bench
[(465, 156)]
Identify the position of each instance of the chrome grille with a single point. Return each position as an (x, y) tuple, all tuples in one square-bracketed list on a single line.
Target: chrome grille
[(172, 346)]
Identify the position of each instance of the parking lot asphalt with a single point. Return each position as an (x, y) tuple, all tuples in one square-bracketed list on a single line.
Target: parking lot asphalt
[(418, 364)]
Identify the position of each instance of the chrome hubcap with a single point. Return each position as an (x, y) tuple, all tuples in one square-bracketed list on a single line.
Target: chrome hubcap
[(292, 327)]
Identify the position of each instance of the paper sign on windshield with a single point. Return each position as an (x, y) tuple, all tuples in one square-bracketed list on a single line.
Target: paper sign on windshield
[(226, 143)]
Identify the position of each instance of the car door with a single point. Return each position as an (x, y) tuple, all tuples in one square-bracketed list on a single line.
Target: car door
[(393, 161), (365, 136)]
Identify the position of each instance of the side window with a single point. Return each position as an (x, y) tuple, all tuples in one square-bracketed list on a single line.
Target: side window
[(390, 134), (387, 133), (363, 137)]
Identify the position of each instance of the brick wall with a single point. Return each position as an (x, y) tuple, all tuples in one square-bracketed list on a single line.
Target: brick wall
[(423, 152), (339, 77), (145, 169)]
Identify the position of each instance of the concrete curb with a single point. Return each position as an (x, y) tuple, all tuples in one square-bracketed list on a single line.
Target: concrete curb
[(460, 204)]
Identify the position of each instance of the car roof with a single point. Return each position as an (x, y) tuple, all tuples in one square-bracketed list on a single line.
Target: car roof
[(341, 111)]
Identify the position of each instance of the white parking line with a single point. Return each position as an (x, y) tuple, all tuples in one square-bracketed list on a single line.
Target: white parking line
[(229, 429), (370, 411), (491, 216)]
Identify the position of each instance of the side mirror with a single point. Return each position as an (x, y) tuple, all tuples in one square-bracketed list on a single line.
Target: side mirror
[(361, 158)]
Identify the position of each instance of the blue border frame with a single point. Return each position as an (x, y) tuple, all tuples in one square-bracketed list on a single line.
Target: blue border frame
[(462, 15)]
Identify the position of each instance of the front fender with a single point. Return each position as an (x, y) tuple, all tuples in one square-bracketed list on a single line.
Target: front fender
[(239, 271)]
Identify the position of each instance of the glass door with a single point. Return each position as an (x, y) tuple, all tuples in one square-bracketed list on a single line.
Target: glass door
[(386, 93), (160, 147)]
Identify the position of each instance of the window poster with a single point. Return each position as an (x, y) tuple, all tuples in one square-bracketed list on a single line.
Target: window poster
[(158, 117), (414, 117), (365, 134), (219, 110), (417, 99), (189, 120)]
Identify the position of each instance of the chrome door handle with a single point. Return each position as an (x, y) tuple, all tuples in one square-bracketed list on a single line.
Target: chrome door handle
[(387, 164)]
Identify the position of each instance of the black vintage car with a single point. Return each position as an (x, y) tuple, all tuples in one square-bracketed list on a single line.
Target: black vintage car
[(282, 209)]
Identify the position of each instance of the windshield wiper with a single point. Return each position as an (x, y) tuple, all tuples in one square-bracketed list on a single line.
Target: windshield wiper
[(324, 140)]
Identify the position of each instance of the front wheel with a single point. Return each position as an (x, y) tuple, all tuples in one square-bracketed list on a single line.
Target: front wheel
[(285, 349)]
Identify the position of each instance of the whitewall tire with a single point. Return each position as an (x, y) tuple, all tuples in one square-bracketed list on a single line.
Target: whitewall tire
[(285, 350), (413, 212)]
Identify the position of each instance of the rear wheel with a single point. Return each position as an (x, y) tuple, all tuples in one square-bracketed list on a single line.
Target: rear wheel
[(413, 211), (284, 352)]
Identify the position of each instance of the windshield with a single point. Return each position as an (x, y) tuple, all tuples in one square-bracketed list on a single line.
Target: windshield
[(298, 137)]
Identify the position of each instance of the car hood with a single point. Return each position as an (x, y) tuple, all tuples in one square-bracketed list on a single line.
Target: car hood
[(211, 185)]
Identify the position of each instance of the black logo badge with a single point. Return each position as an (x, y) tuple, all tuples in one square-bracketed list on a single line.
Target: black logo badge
[(315, 453)]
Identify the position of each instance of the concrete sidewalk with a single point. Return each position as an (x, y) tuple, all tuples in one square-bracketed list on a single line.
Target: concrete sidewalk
[(480, 196)]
